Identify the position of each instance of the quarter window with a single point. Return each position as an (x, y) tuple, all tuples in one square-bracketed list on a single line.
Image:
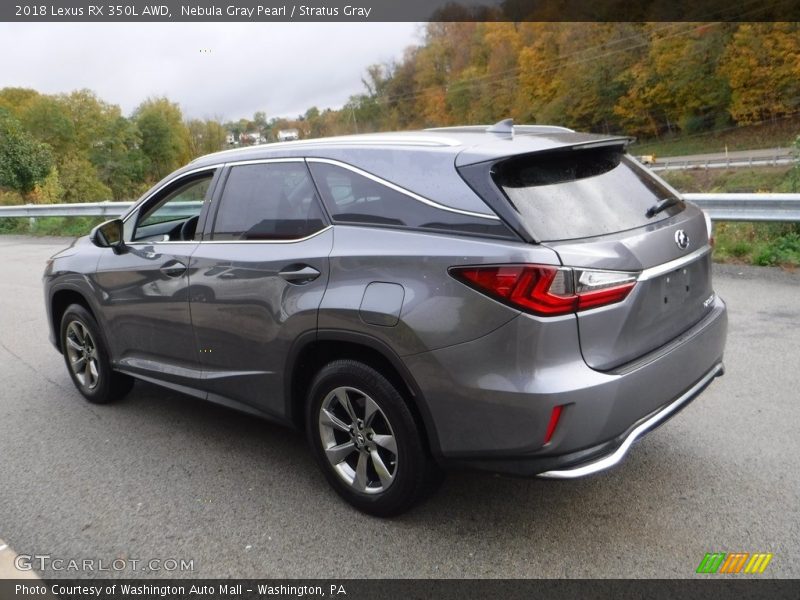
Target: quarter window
[(268, 201), (352, 198)]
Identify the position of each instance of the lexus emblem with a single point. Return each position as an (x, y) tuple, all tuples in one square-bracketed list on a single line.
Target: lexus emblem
[(682, 239)]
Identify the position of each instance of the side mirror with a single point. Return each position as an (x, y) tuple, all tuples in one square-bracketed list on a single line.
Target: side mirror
[(109, 235)]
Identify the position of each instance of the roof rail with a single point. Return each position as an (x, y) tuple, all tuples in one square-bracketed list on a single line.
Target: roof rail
[(502, 128)]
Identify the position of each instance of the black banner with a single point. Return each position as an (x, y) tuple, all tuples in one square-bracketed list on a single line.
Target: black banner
[(399, 10), (374, 589)]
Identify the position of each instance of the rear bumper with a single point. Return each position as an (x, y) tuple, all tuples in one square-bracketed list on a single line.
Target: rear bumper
[(606, 461), (491, 399)]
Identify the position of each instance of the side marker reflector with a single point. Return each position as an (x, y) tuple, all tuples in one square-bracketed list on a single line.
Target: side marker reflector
[(551, 426)]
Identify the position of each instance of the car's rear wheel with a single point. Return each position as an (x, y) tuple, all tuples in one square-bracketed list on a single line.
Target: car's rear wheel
[(86, 356), (366, 441)]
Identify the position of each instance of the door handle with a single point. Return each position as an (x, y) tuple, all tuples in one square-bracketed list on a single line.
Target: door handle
[(299, 274), (173, 268)]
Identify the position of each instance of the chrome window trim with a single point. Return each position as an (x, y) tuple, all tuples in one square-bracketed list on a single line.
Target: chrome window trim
[(214, 167), (673, 265), (258, 161), (136, 206), (302, 239), (153, 243), (401, 190)]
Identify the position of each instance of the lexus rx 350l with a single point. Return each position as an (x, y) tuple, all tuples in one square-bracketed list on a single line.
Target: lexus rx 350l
[(524, 299)]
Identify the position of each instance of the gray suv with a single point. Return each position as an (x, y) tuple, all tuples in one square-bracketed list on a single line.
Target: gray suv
[(523, 299)]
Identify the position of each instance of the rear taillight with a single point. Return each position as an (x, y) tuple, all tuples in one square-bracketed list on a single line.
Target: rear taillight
[(548, 290)]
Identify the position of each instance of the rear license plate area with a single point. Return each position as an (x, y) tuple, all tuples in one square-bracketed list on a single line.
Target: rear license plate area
[(676, 287)]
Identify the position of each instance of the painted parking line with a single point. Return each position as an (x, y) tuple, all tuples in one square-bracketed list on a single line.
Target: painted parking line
[(7, 568)]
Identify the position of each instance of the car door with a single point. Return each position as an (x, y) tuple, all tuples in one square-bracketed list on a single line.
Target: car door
[(259, 276), (145, 287)]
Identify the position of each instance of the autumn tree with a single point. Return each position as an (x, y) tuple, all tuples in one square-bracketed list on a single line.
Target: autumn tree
[(205, 136), (762, 66)]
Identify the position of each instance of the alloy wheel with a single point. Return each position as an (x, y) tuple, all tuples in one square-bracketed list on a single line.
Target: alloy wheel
[(82, 354), (358, 440)]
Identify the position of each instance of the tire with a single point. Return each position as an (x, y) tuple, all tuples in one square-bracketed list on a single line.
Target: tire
[(380, 464), (86, 356)]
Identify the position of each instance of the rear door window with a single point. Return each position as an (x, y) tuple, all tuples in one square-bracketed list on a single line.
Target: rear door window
[(581, 193), (268, 201), (352, 198)]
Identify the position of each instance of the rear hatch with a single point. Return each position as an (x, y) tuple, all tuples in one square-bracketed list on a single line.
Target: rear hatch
[(596, 207)]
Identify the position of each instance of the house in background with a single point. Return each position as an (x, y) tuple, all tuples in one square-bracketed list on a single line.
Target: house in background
[(286, 135), (250, 138)]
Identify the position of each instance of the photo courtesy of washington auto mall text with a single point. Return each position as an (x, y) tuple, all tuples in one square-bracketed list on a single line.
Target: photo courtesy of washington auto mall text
[(182, 590)]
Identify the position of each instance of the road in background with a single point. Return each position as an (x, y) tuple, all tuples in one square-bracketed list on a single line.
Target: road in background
[(160, 475)]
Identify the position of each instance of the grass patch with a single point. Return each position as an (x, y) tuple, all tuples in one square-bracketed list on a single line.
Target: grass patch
[(762, 179), (60, 226), (780, 133), (765, 244), (782, 251)]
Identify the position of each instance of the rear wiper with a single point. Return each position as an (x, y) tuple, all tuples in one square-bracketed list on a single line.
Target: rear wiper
[(661, 205)]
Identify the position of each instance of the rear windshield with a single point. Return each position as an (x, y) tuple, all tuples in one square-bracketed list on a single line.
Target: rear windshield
[(581, 193)]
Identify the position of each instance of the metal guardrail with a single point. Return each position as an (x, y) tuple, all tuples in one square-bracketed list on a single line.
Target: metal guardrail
[(721, 163), (86, 209), (749, 207), (720, 207), (94, 209)]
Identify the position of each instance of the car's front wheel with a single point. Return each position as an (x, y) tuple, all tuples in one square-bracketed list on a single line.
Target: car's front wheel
[(366, 441), (87, 358)]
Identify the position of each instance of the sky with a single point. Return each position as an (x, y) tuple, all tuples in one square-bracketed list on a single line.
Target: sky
[(220, 70)]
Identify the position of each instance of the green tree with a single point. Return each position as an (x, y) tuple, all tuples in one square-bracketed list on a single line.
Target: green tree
[(48, 120), (81, 183), (16, 100), (90, 117), (260, 123), (24, 162), (205, 137), (49, 191), (165, 139), (118, 159)]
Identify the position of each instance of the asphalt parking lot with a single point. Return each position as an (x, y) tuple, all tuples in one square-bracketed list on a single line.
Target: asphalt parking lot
[(162, 476)]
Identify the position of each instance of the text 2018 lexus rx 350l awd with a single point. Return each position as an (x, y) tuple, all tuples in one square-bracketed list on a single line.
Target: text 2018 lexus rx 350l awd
[(527, 300)]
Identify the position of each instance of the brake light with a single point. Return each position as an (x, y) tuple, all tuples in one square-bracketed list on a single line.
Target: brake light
[(548, 290)]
